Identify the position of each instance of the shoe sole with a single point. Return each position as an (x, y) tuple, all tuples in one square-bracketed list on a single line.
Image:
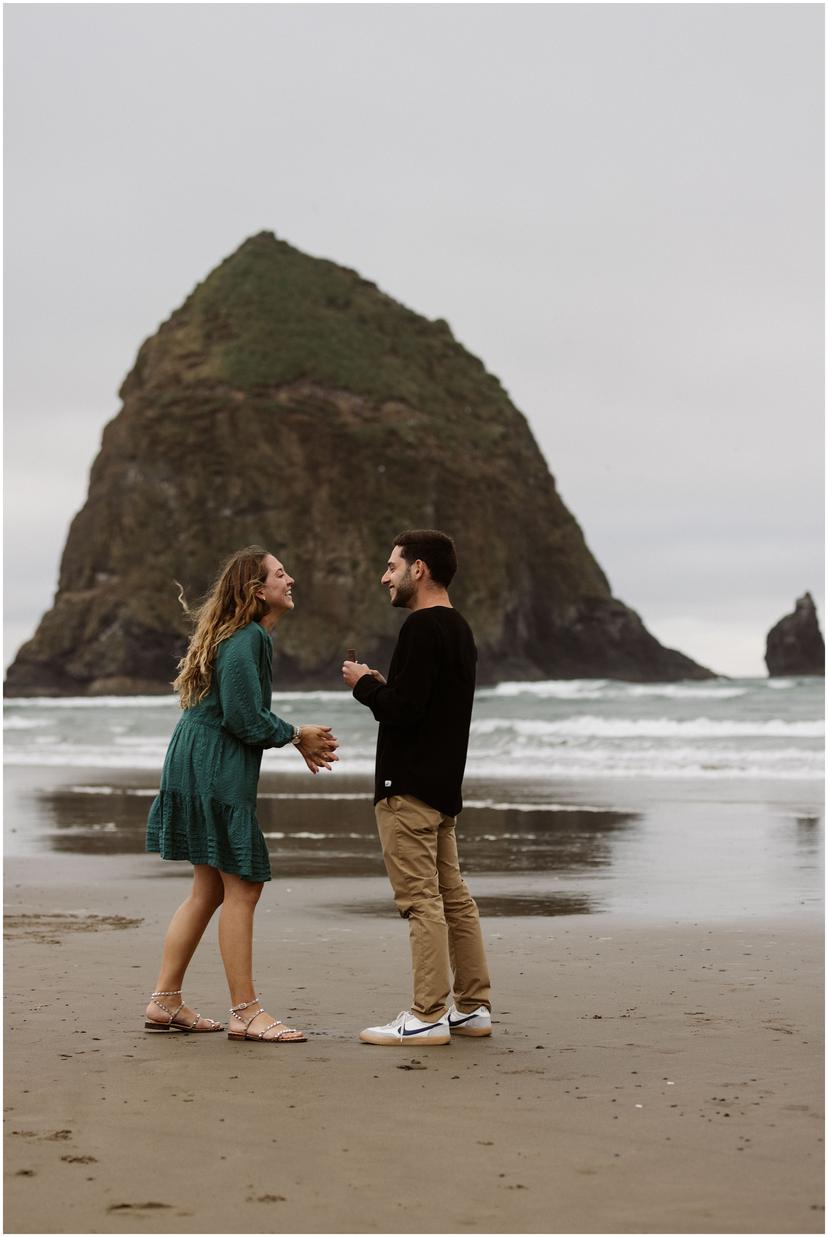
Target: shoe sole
[(175, 1028), (164, 1028), (410, 1041), (476, 1031), (254, 1039)]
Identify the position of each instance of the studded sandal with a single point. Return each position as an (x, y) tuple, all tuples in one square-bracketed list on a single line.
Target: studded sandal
[(259, 1038), (152, 1024)]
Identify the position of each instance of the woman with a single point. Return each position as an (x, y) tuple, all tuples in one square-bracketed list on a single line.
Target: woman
[(206, 808)]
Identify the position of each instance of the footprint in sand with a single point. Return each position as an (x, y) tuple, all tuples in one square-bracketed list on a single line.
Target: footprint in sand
[(151, 1206), (45, 929)]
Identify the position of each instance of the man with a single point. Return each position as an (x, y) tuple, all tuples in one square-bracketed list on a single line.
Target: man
[(424, 711)]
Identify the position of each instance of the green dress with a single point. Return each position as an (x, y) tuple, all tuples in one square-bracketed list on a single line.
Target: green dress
[(206, 808)]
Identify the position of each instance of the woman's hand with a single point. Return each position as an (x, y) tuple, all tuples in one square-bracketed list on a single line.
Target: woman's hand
[(318, 746)]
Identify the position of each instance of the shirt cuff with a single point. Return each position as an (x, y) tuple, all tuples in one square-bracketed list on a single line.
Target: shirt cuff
[(359, 687)]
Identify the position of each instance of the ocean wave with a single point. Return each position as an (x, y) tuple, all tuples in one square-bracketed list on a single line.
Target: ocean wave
[(343, 695), (496, 806), (149, 742), (591, 727), (684, 691), (559, 689), (320, 837), (272, 794), (567, 764), (646, 770), (92, 702), (12, 722), (501, 755), (150, 793), (67, 756), (663, 761), (160, 701), (139, 791), (70, 756), (612, 689), (354, 797), (108, 826), (556, 689)]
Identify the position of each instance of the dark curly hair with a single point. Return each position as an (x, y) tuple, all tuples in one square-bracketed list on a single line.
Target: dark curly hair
[(434, 548)]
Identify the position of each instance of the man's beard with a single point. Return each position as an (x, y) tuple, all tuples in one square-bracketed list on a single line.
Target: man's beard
[(405, 590)]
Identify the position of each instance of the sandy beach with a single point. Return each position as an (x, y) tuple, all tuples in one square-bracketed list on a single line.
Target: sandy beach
[(648, 864), (643, 1076)]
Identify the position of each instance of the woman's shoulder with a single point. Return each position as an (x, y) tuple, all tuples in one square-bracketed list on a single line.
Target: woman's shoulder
[(252, 637), (252, 633)]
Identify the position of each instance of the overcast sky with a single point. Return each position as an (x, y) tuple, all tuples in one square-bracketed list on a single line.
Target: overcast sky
[(617, 208)]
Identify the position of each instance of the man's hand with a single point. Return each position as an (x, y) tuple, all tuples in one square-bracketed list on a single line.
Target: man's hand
[(318, 745), (353, 671)]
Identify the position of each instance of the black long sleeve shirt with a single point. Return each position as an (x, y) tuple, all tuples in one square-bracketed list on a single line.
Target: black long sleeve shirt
[(424, 710)]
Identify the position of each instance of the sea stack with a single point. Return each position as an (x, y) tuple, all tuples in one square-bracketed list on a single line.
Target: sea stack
[(291, 403), (795, 645)]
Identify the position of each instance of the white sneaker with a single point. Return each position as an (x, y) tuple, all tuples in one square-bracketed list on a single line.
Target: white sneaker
[(408, 1029), (478, 1022)]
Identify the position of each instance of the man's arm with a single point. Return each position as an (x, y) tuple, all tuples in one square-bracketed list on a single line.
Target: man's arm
[(405, 702)]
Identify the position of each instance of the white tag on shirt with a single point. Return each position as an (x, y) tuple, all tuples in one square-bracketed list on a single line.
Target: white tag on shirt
[(387, 783)]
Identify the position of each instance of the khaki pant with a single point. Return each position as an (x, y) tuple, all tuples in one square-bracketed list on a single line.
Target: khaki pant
[(420, 852)]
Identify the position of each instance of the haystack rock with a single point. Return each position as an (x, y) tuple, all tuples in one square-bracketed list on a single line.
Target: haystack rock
[(795, 645), (291, 403)]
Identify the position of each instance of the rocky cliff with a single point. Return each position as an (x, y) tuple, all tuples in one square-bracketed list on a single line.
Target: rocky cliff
[(291, 403), (795, 645)]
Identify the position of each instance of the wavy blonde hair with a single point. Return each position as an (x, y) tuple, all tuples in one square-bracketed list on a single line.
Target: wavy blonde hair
[(230, 605)]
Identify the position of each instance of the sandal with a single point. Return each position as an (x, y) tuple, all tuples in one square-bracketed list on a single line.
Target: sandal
[(151, 1024), (235, 1012)]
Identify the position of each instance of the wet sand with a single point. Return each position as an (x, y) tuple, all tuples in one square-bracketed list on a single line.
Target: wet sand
[(644, 1075)]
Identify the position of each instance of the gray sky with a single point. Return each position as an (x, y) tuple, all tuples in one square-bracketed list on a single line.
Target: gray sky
[(618, 208)]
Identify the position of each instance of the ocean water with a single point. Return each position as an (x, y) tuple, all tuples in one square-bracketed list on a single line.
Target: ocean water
[(592, 728), (586, 796)]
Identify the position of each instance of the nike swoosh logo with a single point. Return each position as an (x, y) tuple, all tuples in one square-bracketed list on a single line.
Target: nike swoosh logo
[(458, 1022), (420, 1030)]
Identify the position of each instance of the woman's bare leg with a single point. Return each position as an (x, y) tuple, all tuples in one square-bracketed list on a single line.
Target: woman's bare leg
[(236, 935), (183, 935), (236, 944)]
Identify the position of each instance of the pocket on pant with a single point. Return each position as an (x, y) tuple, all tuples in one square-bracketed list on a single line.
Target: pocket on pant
[(409, 805), (415, 818)]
